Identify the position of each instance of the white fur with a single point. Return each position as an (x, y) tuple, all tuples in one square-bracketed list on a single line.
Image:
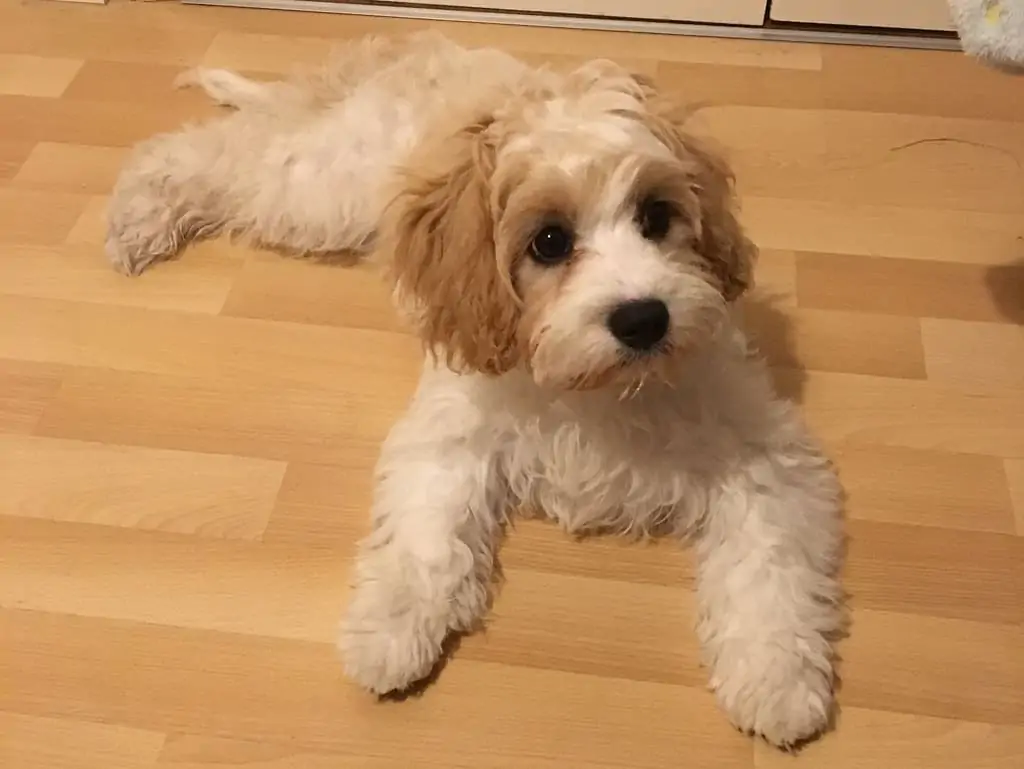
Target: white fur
[(704, 449), (715, 456), (300, 166)]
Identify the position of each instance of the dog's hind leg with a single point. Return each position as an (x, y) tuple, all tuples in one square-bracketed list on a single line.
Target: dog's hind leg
[(167, 194), (285, 170), (225, 87), (251, 175), (229, 89)]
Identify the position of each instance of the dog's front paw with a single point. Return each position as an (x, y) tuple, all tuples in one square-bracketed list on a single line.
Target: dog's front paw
[(391, 639), (778, 694)]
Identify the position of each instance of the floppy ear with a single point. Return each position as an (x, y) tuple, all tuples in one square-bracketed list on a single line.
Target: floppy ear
[(438, 236), (729, 253)]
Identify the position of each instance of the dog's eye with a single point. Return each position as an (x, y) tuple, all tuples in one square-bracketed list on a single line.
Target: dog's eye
[(553, 244), (655, 218)]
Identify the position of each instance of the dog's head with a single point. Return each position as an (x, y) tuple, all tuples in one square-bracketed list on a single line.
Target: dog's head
[(574, 229)]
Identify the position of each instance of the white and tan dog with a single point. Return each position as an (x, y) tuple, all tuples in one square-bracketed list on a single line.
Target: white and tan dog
[(569, 256)]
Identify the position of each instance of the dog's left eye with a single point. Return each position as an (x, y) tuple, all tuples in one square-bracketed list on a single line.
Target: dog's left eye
[(655, 218), (553, 244)]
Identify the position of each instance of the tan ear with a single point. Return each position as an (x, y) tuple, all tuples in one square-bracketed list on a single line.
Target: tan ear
[(438, 237), (729, 253)]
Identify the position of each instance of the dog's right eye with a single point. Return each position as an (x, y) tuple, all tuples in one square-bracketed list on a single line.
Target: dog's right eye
[(655, 218), (552, 245)]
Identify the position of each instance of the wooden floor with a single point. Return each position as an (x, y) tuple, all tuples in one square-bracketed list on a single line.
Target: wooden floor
[(185, 458)]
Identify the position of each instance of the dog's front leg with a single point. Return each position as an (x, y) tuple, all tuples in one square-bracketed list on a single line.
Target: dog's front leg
[(425, 570), (768, 591)]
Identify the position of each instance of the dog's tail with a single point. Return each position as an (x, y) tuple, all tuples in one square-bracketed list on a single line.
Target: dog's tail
[(229, 89)]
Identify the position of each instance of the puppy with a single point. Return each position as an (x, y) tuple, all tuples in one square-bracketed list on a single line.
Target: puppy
[(570, 257)]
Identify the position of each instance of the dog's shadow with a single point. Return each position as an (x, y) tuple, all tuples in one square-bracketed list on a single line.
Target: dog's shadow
[(418, 688), (1005, 284), (770, 332)]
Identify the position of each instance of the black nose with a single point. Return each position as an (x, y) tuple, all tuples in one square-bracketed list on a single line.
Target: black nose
[(639, 324)]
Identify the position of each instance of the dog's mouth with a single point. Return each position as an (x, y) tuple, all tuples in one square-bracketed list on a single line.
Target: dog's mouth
[(616, 367), (636, 369), (628, 358), (630, 371)]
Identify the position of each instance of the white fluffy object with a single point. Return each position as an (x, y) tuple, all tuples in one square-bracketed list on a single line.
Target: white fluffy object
[(992, 31)]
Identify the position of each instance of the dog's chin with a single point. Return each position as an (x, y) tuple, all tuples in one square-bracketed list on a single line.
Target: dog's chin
[(617, 370)]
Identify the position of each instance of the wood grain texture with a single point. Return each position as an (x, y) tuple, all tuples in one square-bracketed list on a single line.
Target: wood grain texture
[(974, 355), (265, 53), (883, 738), (918, 559), (206, 682), (69, 271), (978, 239), (266, 289), (911, 287), (36, 75), (932, 488), (205, 582), (894, 662), (186, 459), (95, 123), (29, 742), (71, 167), (37, 217), (102, 80), (1015, 478), (12, 155), (828, 340), (224, 416), (864, 411), (138, 488), (863, 158), (91, 225), (26, 389)]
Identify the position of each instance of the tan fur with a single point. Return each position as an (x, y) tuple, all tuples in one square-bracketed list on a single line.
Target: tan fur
[(438, 235), (458, 228), (730, 254)]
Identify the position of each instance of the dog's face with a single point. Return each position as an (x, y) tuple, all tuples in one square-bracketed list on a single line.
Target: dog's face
[(576, 231)]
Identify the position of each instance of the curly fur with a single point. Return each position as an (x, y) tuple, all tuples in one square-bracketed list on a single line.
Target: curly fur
[(442, 163)]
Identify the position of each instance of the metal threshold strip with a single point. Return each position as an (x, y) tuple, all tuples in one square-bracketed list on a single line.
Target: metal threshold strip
[(794, 34)]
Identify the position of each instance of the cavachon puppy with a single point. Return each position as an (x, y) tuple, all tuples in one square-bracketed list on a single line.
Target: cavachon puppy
[(570, 256)]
